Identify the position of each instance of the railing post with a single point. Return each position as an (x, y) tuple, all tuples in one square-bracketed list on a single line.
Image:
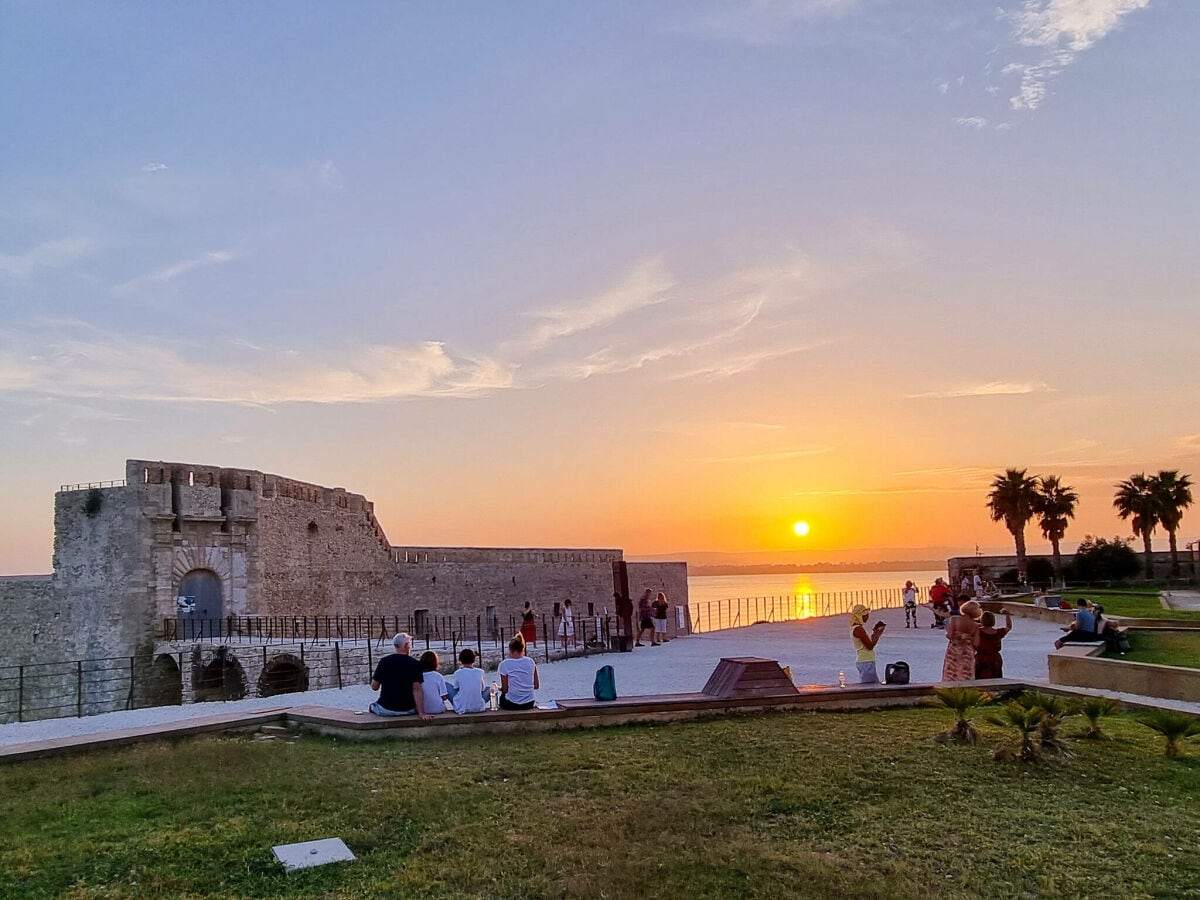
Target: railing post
[(337, 663), (20, 692), (79, 688), (129, 699)]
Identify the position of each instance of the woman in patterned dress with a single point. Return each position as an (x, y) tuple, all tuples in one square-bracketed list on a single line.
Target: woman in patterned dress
[(960, 648)]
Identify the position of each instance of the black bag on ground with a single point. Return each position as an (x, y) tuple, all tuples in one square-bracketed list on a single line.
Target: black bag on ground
[(896, 673), (605, 685)]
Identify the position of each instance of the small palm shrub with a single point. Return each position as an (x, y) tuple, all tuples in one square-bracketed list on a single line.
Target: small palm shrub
[(1094, 709), (1172, 725), (1052, 712), (961, 700), (1026, 721)]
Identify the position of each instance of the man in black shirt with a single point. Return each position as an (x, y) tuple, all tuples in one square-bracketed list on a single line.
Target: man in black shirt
[(398, 679)]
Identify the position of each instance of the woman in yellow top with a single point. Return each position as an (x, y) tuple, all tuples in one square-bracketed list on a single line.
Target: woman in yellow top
[(864, 643)]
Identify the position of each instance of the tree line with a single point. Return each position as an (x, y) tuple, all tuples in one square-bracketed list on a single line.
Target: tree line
[(1147, 501)]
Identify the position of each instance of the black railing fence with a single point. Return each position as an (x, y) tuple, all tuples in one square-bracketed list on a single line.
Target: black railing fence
[(738, 612)]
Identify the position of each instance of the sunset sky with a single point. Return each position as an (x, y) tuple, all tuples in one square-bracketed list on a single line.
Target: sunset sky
[(667, 277)]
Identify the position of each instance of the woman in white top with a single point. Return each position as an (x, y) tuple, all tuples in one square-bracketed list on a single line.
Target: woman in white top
[(566, 628), (518, 677)]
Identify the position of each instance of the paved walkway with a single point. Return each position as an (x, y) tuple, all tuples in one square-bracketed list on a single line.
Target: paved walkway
[(816, 649), (1182, 599)]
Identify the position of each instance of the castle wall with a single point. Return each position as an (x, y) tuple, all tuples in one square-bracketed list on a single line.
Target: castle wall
[(33, 625), (467, 580), (102, 580), (671, 579)]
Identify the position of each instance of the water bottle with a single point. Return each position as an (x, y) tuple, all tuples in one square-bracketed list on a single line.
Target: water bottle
[(841, 679)]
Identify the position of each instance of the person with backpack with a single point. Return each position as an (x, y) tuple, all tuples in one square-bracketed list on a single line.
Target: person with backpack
[(864, 643)]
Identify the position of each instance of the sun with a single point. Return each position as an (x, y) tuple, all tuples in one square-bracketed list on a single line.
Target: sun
[(801, 529)]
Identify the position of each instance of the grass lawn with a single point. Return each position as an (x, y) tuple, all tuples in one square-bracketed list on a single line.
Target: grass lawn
[(775, 805), (1132, 604), (1166, 649)]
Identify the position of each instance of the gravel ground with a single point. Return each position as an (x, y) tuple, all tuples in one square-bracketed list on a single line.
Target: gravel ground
[(816, 649)]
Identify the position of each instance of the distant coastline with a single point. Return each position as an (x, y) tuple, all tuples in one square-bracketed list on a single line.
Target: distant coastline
[(898, 565)]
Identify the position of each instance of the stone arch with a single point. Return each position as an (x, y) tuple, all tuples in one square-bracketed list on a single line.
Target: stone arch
[(223, 678), (214, 559), (164, 682), (284, 673), (203, 589)]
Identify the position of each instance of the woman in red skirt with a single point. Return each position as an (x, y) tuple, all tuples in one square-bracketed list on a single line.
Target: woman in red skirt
[(528, 625)]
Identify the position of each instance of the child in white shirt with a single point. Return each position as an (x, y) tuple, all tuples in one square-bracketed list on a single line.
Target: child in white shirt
[(433, 686), (468, 692)]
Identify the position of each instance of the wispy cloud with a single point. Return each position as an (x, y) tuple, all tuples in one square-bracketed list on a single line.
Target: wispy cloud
[(646, 285), (1060, 30), (988, 389), (1188, 443), (770, 455), (174, 270), (99, 365), (976, 122), (48, 255), (152, 167), (763, 22)]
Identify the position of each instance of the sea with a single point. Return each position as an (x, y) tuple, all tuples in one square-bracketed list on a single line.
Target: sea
[(717, 602), (703, 588)]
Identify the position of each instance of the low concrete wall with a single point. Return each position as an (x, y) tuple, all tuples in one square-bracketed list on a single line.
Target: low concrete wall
[(1082, 667)]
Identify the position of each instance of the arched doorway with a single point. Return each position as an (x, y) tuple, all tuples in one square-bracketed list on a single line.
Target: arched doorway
[(201, 588), (221, 679), (164, 684), (283, 674)]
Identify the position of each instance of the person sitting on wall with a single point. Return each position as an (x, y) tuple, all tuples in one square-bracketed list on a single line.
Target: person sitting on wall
[(467, 691), (518, 677), (398, 678), (1083, 629)]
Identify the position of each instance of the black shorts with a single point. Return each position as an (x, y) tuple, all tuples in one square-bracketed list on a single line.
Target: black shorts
[(647, 624)]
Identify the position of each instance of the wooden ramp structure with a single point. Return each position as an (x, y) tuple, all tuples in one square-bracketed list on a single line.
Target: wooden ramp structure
[(742, 677)]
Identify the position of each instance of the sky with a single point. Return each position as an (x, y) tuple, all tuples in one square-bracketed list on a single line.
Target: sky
[(666, 277)]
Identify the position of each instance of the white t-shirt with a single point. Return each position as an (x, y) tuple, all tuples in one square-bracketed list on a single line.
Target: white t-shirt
[(433, 689), (520, 678), (910, 596), (469, 698)]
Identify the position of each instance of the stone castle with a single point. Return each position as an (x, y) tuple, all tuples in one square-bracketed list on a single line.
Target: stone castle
[(179, 540)]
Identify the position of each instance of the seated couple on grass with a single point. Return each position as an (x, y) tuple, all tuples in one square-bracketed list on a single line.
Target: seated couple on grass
[(411, 688)]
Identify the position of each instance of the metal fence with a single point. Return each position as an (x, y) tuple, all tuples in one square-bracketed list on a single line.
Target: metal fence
[(427, 629), (738, 612)]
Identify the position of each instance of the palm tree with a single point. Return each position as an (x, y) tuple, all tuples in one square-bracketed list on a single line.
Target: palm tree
[(1011, 500), (1135, 499), (1174, 494), (1054, 504)]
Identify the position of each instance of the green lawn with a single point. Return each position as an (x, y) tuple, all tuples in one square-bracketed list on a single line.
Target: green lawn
[(1132, 604), (775, 805), (1166, 649)]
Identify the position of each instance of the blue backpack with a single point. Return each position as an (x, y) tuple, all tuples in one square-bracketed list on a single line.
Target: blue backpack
[(605, 685)]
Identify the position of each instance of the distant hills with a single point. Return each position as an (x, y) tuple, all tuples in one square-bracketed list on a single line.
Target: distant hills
[(886, 565)]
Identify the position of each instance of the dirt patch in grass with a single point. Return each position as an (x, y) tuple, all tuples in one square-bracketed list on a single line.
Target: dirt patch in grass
[(775, 805)]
